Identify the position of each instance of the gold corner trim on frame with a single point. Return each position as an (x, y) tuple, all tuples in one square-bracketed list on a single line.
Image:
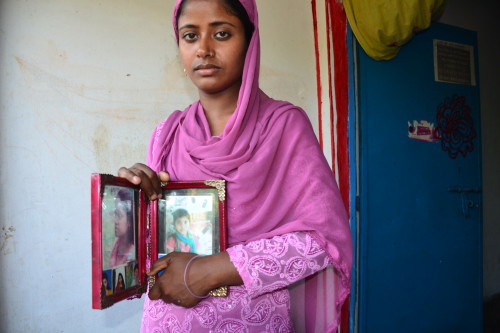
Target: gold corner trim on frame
[(151, 282), (220, 185), (219, 292)]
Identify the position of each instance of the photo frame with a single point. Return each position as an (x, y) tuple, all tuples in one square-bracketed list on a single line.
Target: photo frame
[(190, 217), (118, 240), (128, 230)]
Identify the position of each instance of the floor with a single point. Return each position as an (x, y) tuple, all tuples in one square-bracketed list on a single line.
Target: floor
[(492, 315)]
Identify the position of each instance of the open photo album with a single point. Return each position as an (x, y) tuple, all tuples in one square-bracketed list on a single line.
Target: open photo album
[(129, 232)]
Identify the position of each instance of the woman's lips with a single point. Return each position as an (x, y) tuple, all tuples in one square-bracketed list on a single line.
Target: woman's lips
[(206, 69)]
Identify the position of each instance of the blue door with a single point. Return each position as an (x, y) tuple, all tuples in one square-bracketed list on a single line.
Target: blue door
[(420, 243)]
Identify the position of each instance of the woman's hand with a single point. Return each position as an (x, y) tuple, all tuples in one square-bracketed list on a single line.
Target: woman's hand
[(203, 275), (170, 287), (150, 181)]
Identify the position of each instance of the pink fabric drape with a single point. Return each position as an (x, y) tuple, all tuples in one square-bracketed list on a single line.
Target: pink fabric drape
[(277, 178)]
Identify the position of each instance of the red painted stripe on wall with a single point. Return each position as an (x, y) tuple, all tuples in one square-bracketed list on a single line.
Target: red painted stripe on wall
[(318, 72), (339, 31), (330, 83)]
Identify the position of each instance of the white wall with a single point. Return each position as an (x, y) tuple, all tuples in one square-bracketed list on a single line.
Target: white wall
[(482, 16), (82, 85)]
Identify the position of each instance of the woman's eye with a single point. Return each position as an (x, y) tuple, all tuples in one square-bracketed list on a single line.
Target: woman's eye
[(189, 36), (222, 35)]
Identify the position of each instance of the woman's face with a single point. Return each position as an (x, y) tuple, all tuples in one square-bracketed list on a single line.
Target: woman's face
[(121, 221), (182, 225), (212, 46), (120, 280)]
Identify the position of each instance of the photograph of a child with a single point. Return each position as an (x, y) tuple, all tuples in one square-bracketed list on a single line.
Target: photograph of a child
[(181, 240), (119, 226), (188, 222)]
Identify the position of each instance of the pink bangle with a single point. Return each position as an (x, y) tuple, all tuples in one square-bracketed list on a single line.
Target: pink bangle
[(185, 274)]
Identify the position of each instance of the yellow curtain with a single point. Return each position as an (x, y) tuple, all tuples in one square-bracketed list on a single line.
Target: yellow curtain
[(383, 26)]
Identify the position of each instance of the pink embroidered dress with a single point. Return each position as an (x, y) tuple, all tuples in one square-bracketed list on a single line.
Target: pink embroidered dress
[(288, 231), (262, 304)]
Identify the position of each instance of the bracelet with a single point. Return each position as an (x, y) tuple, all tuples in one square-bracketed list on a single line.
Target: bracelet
[(185, 274)]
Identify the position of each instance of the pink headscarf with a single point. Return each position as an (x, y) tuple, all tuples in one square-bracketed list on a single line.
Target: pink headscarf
[(278, 180)]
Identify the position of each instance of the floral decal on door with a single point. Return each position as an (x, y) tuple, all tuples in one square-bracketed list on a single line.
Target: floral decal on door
[(455, 126)]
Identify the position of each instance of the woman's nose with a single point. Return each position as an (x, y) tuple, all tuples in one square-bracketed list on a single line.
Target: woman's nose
[(205, 48)]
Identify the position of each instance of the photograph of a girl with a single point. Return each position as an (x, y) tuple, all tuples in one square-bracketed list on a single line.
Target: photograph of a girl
[(188, 221), (105, 288), (286, 219), (120, 283), (181, 240), (122, 227)]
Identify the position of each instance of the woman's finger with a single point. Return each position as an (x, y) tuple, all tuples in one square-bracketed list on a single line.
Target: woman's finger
[(150, 183), (154, 180), (159, 265), (164, 176), (129, 175)]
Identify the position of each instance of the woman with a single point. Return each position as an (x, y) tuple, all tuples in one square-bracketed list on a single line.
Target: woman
[(105, 290), (286, 218), (124, 248), (135, 280), (120, 283)]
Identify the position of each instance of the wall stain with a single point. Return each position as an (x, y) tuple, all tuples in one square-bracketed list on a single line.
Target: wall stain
[(107, 153), (66, 80), (100, 141), (6, 234), (40, 79), (119, 113)]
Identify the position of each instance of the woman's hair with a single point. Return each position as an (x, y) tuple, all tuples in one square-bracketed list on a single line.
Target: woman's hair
[(105, 276), (180, 212), (124, 194), (125, 197), (233, 7)]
